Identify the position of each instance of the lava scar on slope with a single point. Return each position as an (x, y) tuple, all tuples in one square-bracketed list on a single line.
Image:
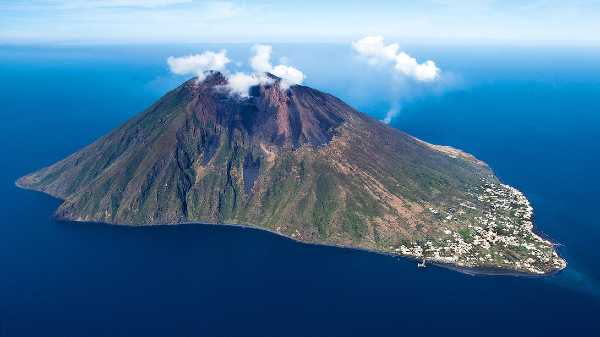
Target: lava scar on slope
[(301, 163)]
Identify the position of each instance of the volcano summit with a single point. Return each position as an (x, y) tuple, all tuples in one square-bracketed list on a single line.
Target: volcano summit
[(301, 163)]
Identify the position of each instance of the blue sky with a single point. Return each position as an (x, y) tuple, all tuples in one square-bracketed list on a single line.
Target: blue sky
[(184, 21)]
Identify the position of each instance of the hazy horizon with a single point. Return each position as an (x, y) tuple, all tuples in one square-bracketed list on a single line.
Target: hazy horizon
[(523, 23)]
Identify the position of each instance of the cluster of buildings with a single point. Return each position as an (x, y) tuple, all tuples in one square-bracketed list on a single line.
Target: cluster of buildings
[(494, 233)]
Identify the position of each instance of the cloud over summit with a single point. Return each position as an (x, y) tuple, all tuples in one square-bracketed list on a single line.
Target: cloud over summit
[(239, 82), (198, 64), (261, 63)]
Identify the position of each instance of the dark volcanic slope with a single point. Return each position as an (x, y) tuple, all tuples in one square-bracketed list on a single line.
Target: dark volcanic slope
[(301, 163)]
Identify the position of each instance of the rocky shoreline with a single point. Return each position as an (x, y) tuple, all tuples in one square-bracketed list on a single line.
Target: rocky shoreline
[(473, 270)]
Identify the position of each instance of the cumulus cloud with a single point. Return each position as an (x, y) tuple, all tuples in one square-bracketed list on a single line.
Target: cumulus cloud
[(290, 75), (198, 64), (239, 82), (374, 49), (406, 70), (261, 63)]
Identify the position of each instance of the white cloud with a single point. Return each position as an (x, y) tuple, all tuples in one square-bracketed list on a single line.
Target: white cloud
[(198, 64), (374, 49), (403, 67), (289, 74), (261, 63), (239, 83)]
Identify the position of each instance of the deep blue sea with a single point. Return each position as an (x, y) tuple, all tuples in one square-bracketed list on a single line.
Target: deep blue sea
[(533, 114)]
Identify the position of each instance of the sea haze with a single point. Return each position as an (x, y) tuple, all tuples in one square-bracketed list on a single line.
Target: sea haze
[(532, 114)]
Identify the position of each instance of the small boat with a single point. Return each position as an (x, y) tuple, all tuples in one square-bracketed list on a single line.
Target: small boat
[(421, 264)]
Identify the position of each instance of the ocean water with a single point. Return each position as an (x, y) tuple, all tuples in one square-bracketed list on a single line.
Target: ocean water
[(533, 114)]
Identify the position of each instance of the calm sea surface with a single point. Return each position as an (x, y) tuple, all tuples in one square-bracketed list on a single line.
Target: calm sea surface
[(532, 114)]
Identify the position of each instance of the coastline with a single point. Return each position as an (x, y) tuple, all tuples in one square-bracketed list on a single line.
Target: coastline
[(456, 268), (487, 271)]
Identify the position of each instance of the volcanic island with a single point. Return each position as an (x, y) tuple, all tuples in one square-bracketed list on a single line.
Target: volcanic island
[(303, 164)]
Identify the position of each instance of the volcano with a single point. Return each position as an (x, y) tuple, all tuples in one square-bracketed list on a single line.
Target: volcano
[(301, 163)]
